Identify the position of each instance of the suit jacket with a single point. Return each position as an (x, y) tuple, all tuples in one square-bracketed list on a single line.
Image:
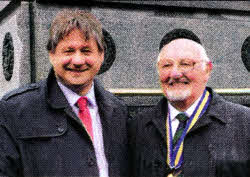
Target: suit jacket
[(40, 135), (217, 145)]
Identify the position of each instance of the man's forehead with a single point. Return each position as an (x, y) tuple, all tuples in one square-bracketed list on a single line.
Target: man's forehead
[(183, 43), (181, 49), (77, 36)]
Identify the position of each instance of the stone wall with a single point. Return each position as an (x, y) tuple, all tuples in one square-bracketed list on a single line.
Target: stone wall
[(15, 45)]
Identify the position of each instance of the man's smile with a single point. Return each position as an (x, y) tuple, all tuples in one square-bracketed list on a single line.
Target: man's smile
[(76, 70)]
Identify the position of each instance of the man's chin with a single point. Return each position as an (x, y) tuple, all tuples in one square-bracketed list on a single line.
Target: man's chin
[(75, 83), (177, 95)]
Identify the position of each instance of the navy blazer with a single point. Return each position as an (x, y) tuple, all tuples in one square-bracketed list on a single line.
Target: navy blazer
[(217, 145), (40, 135)]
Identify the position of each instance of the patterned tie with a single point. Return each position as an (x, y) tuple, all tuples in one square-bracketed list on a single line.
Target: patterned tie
[(84, 115), (182, 123)]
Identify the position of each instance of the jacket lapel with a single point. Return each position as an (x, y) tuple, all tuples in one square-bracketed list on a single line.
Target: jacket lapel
[(56, 98), (213, 112), (159, 117), (106, 109)]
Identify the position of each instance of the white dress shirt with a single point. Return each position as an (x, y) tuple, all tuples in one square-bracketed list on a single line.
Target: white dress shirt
[(174, 112), (72, 98)]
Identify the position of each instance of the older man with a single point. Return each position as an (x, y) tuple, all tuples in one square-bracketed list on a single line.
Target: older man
[(66, 125), (192, 131)]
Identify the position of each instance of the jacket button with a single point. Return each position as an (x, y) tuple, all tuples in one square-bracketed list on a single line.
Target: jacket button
[(60, 129), (161, 147), (90, 162), (157, 164), (190, 163)]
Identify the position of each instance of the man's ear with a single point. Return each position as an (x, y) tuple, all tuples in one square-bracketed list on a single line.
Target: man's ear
[(209, 67), (208, 70), (102, 56), (51, 56)]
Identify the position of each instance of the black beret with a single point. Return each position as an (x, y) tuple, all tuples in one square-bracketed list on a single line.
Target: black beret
[(176, 34)]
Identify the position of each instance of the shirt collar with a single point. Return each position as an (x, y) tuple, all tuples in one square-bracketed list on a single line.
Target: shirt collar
[(73, 97), (174, 112)]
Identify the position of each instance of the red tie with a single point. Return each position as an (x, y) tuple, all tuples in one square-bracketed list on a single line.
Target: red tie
[(85, 115)]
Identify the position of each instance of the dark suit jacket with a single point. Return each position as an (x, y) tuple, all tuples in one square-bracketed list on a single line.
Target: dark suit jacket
[(217, 145), (40, 135)]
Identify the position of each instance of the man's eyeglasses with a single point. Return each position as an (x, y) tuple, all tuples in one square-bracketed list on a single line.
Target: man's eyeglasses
[(183, 66)]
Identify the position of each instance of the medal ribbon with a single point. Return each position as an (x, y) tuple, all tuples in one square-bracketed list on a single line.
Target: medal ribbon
[(175, 156)]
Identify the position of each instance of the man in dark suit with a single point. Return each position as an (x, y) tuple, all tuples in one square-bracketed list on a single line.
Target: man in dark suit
[(66, 125), (192, 131)]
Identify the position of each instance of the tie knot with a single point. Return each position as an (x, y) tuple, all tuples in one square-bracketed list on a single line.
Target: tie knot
[(82, 102), (182, 117)]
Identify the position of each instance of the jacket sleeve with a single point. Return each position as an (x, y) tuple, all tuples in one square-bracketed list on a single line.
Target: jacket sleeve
[(9, 153)]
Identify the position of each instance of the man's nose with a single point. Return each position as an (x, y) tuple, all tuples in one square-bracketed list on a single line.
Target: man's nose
[(176, 72), (78, 59)]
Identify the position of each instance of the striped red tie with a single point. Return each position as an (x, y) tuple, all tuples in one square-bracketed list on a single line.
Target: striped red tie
[(84, 115)]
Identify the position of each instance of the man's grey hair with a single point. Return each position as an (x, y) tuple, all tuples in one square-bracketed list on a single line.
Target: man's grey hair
[(68, 20)]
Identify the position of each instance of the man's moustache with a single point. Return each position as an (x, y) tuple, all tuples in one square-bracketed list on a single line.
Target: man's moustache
[(172, 81)]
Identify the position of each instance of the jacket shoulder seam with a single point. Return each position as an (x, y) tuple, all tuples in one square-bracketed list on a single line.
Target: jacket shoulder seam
[(20, 91)]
